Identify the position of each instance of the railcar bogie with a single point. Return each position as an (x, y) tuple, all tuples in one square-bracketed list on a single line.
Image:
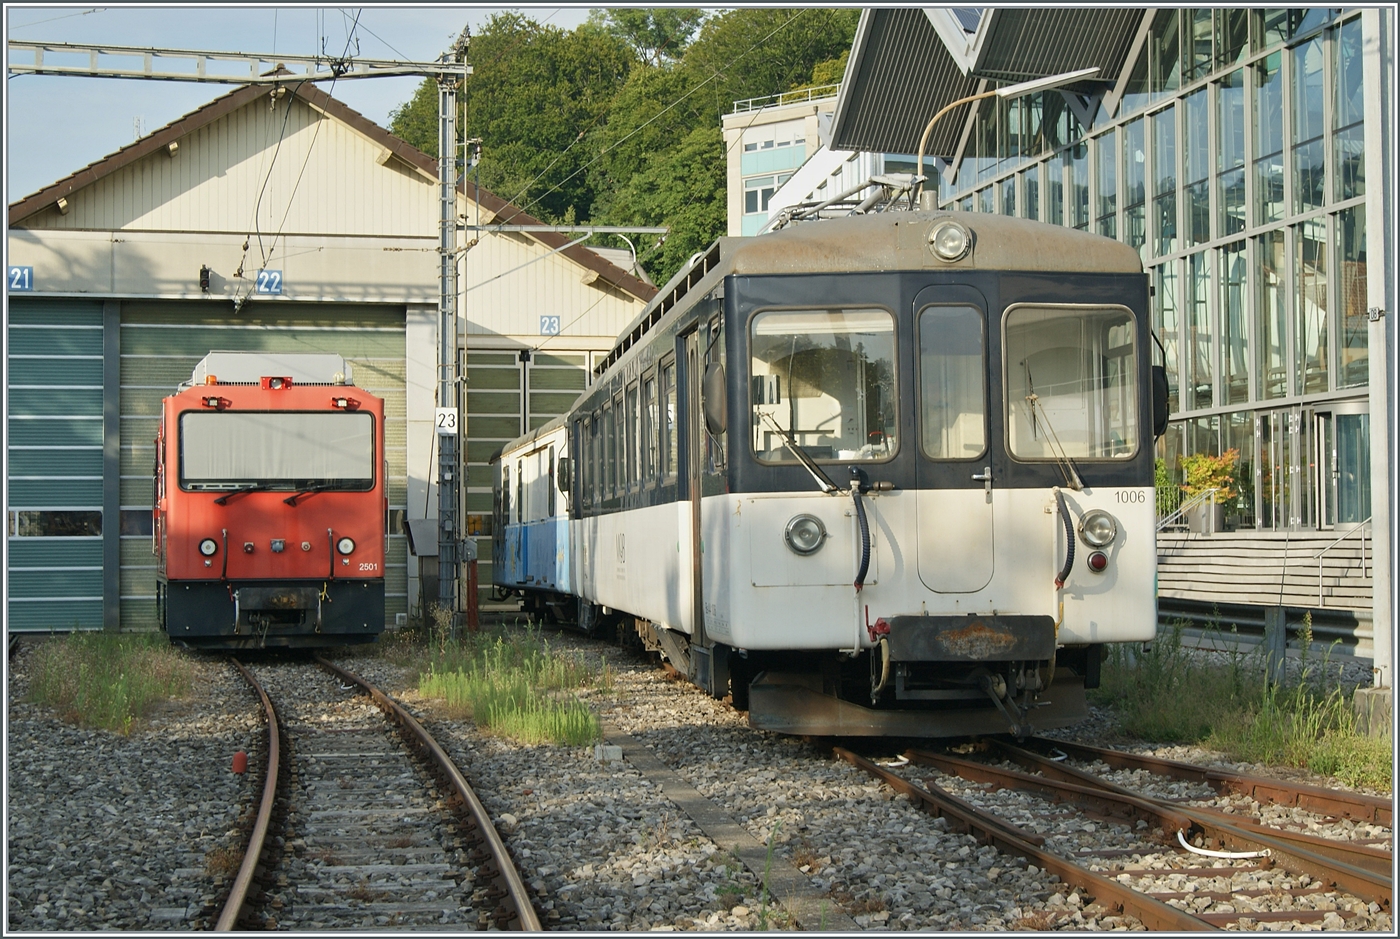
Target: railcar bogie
[(859, 488)]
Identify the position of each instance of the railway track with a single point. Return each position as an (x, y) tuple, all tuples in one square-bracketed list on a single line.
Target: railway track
[(1159, 861), (363, 820)]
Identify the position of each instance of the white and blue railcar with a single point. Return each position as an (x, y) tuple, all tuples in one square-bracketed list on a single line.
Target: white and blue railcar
[(886, 474)]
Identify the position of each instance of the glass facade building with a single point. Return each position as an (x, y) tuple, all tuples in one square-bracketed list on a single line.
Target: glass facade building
[(1231, 156)]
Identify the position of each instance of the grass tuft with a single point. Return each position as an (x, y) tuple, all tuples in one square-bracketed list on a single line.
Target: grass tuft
[(107, 680), (515, 685), (1168, 694)]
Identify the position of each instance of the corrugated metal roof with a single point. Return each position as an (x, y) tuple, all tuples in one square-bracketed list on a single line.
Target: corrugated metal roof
[(1025, 43), (898, 78), (902, 72)]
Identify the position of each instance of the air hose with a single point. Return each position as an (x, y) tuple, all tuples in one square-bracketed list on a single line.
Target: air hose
[(1069, 540), (864, 535)]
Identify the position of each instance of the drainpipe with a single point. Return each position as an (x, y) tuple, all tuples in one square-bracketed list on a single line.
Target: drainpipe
[(1375, 704)]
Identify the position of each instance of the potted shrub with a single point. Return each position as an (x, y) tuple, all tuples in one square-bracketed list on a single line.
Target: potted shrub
[(1202, 471)]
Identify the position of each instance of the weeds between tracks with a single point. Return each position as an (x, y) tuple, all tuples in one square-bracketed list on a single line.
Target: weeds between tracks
[(107, 680), (509, 681), (1175, 694)]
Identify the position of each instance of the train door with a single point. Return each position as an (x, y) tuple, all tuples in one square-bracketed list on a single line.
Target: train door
[(953, 495), (689, 483)]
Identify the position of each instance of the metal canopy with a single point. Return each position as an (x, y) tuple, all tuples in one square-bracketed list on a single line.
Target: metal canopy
[(903, 70)]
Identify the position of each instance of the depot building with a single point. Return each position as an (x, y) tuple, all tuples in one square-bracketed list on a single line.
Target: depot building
[(211, 235)]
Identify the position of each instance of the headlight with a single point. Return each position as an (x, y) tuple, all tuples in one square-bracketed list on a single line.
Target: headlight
[(345, 545), (1097, 528), (950, 240), (805, 534), (208, 546)]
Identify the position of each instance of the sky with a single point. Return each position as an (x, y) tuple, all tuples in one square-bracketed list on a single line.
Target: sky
[(55, 125)]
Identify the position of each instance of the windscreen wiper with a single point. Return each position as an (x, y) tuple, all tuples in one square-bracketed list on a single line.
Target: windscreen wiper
[(255, 487), (803, 457), (311, 491)]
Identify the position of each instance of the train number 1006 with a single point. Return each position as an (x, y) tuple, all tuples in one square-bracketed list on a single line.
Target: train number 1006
[(1131, 495)]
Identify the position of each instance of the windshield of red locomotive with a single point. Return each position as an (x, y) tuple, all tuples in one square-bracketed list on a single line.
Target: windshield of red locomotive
[(276, 449)]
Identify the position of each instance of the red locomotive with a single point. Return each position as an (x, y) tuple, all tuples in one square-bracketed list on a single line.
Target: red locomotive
[(270, 505)]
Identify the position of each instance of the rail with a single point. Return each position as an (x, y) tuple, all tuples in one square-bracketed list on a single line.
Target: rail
[(1321, 600), (1199, 498), (509, 883), (786, 97), (253, 855)]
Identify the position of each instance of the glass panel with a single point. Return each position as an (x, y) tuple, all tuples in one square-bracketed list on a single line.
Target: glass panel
[(1055, 190), (1205, 434), (1031, 183), (1269, 301), (1135, 94), (952, 381), (1350, 167), (1327, 447), (1268, 140), (1196, 140), (985, 201), (1198, 330), (1166, 53), (1353, 468), (1238, 429), (669, 459), (1008, 195), (1307, 126), (1232, 36), (1230, 153), (1311, 323), (1135, 228), (1166, 323), (1348, 112), (1234, 326), (276, 449), (1077, 158), (965, 203), (1164, 180), (1135, 185), (1305, 485), (1200, 26), (1352, 345), (56, 524), (826, 378), (1071, 382), (1106, 164)]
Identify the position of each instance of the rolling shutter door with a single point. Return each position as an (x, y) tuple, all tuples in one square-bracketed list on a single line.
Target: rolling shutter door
[(505, 400), (54, 513), (161, 342)]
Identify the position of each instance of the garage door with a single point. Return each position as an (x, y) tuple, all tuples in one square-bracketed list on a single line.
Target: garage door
[(160, 344), (54, 513)]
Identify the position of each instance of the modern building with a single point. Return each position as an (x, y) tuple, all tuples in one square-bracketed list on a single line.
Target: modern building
[(1247, 154), (274, 218)]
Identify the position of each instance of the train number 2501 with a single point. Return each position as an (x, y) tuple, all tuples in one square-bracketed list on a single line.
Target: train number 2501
[(1131, 495), (369, 566)]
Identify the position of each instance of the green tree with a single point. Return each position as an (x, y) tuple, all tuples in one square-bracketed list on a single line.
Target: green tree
[(618, 121), (534, 94), (658, 35)]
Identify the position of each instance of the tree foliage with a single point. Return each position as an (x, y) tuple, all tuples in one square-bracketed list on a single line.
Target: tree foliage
[(618, 121)]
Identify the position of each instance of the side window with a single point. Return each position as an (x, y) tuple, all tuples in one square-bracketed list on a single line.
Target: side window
[(609, 452), (632, 436), (520, 491), (952, 383), (553, 483), (504, 518), (669, 460), (650, 430)]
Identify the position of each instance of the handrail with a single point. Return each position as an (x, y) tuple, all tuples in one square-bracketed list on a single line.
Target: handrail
[(1361, 525), (786, 97), (1191, 503)]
